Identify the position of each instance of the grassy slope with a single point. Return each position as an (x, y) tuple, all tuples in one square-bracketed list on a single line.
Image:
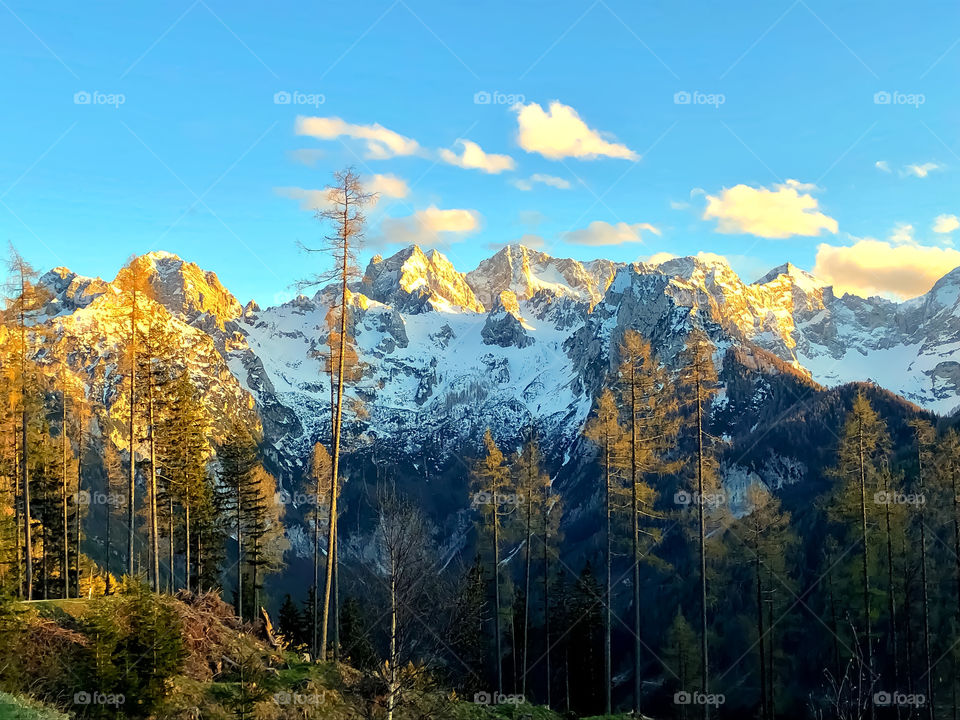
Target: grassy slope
[(17, 708)]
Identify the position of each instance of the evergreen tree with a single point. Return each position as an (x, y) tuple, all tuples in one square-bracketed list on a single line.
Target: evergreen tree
[(238, 458)]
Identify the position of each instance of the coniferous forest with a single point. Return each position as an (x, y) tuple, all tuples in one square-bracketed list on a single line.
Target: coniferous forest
[(157, 560)]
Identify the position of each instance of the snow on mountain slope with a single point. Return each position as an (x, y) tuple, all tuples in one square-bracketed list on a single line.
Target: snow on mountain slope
[(414, 282), (525, 339), (524, 272)]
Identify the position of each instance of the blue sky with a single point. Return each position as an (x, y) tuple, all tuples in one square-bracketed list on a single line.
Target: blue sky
[(785, 150)]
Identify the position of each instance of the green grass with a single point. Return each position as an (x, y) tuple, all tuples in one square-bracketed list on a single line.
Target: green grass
[(16, 708)]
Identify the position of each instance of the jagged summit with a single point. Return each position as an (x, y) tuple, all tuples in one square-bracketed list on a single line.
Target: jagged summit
[(796, 275), (524, 272), (416, 282)]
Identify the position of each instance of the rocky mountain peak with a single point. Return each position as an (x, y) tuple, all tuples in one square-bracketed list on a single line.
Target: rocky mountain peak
[(70, 291), (187, 290), (414, 282), (525, 271), (794, 275)]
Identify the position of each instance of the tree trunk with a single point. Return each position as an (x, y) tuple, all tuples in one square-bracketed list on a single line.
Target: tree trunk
[(63, 495), (761, 641), (607, 660), (186, 543), (496, 585), (24, 447), (891, 597), (131, 483), (930, 704), (635, 540), (239, 490), (526, 590), (392, 689), (546, 597), (170, 577), (704, 663), (154, 539), (331, 536), (863, 538), (77, 502)]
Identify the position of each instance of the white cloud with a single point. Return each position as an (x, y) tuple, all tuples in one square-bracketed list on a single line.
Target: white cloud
[(559, 132), (432, 226), (920, 171), (602, 233), (387, 186), (381, 142), (782, 212), (309, 199), (474, 158), (873, 267), (946, 224), (882, 166), (551, 180), (902, 234)]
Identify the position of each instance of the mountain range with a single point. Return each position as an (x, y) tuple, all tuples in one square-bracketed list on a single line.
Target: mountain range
[(522, 342)]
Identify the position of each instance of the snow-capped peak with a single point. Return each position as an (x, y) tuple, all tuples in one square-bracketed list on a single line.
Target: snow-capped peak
[(797, 276), (524, 272), (415, 282)]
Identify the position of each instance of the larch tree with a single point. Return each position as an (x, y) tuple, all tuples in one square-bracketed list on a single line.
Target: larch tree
[(532, 485), (403, 548), (134, 286), (861, 457), (604, 430), (925, 439), (698, 378), (649, 402), (25, 301), (765, 537), (346, 200), (492, 497)]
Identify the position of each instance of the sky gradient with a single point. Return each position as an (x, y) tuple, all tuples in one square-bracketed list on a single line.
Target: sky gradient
[(823, 133)]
